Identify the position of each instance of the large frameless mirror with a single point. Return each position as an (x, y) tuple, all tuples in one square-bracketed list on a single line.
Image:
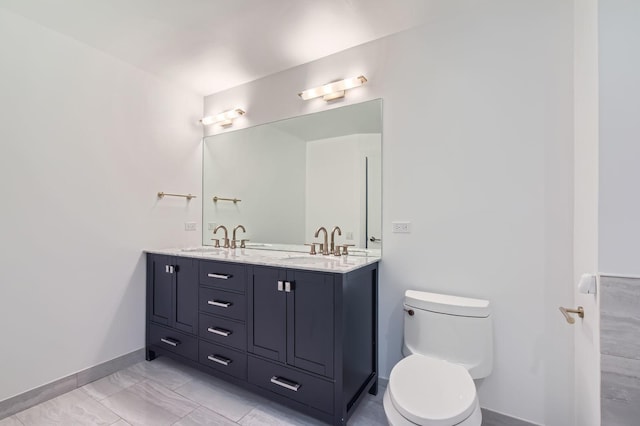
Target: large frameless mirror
[(284, 180)]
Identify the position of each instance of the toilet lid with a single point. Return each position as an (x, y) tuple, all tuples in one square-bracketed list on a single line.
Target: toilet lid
[(430, 391)]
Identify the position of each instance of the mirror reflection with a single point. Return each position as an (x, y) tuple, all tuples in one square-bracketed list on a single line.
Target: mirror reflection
[(289, 178)]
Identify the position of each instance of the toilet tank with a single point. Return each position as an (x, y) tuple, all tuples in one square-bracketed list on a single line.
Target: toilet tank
[(452, 328)]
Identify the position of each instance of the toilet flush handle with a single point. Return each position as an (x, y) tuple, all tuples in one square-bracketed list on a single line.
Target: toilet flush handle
[(409, 311)]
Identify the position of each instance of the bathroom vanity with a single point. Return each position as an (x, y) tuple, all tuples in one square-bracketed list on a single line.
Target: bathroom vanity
[(297, 329)]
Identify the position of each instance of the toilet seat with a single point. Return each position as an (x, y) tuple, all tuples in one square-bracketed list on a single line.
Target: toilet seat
[(430, 391)]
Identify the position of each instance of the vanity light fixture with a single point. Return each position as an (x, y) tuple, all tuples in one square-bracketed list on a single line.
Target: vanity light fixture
[(333, 90), (224, 119)]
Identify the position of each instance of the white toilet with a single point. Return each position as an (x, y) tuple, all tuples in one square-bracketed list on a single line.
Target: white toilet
[(448, 342)]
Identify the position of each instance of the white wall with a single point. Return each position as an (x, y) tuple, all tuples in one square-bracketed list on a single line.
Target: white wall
[(87, 142), (265, 168), (619, 67), (478, 155), (585, 245)]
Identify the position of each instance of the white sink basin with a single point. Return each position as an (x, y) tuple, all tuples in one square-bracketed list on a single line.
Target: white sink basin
[(311, 260), (201, 250)]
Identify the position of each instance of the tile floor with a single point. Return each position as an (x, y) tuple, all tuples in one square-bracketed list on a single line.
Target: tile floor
[(164, 392)]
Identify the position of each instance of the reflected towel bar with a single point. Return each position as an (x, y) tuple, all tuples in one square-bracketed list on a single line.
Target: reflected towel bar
[(165, 194), (216, 199)]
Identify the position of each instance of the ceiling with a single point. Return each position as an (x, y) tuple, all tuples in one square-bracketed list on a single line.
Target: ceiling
[(210, 45)]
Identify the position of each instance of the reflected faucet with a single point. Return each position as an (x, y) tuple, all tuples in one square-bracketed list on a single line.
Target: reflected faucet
[(233, 237), (324, 249), (333, 231), (226, 234)]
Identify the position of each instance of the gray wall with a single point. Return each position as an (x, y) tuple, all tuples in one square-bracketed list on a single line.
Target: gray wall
[(620, 350)]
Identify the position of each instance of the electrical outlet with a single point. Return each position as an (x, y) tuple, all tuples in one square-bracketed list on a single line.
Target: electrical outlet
[(211, 226), (401, 227), (349, 236), (190, 226)]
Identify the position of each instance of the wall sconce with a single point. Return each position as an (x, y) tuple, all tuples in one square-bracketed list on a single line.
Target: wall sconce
[(333, 90), (224, 119)]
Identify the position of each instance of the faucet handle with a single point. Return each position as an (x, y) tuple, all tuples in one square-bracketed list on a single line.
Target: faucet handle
[(242, 243), (217, 242), (345, 248), (322, 249), (313, 248)]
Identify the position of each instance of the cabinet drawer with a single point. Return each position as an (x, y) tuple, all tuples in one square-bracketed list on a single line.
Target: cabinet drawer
[(224, 331), (298, 386), (224, 303), (223, 275), (173, 341), (223, 359)]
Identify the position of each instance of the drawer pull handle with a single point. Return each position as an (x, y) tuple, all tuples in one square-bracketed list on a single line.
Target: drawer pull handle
[(170, 342), (220, 331), (220, 276), (219, 303), (287, 384), (219, 359)]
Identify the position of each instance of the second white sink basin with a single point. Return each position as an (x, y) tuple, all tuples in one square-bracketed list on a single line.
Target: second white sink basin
[(310, 260)]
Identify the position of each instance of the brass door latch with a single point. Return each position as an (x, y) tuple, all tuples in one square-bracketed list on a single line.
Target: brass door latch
[(567, 311)]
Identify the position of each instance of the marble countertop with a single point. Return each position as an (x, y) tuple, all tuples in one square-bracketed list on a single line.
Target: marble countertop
[(285, 259)]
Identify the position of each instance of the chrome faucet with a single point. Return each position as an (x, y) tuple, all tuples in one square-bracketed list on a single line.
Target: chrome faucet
[(226, 235), (324, 248), (233, 237), (333, 231)]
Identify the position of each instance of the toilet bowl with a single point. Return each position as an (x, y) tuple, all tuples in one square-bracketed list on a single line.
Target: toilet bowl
[(428, 391)]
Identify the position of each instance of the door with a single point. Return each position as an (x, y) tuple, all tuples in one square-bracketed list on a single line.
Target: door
[(586, 332), (160, 283), (373, 190), (267, 313), (310, 321), (185, 295)]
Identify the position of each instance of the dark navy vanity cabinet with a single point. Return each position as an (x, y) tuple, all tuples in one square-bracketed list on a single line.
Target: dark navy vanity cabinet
[(306, 339)]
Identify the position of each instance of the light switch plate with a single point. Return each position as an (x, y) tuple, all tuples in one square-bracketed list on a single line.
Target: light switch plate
[(401, 227), (190, 226)]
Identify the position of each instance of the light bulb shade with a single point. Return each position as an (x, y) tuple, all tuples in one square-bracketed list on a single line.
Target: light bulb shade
[(225, 118), (333, 90)]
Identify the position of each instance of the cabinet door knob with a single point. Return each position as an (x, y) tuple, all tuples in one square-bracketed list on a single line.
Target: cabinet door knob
[(171, 269), (280, 285), (288, 286)]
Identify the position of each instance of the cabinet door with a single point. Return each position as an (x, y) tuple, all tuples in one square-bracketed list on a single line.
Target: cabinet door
[(310, 322), (159, 288), (185, 302), (267, 313)]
